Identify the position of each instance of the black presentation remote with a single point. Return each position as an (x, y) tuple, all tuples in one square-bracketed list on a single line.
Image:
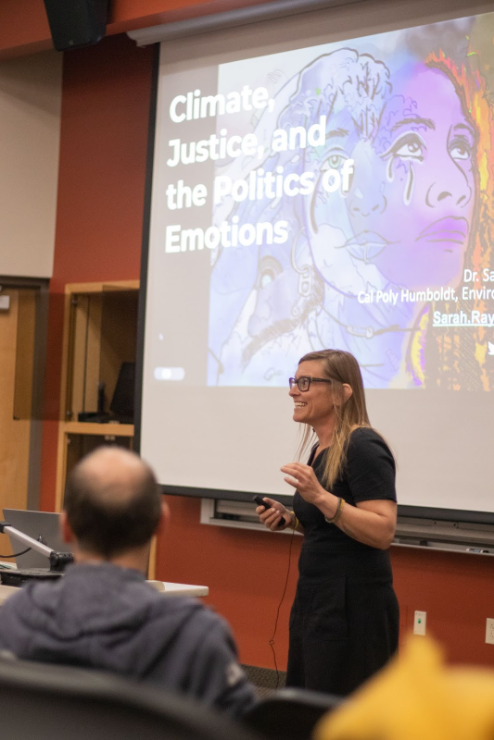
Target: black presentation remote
[(260, 502)]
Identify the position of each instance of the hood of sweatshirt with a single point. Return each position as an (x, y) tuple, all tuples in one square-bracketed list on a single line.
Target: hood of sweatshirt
[(103, 616)]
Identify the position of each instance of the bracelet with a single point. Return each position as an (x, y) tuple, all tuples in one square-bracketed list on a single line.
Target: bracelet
[(339, 509), (295, 526)]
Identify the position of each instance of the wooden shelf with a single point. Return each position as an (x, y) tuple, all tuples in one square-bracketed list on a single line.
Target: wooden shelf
[(113, 285), (112, 429), (100, 333)]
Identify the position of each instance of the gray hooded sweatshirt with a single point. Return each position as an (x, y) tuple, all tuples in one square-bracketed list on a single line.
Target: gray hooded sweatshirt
[(107, 617)]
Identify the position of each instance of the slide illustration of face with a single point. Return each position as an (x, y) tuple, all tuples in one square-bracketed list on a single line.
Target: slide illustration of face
[(360, 86), (289, 282), (413, 191), (328, 221), (349, 91), (288, 286)]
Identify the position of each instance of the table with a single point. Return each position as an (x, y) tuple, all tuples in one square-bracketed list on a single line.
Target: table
[(180, 589), (166, 588)]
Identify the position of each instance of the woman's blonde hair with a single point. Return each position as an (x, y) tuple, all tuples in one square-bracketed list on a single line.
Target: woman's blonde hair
[(342, 368)]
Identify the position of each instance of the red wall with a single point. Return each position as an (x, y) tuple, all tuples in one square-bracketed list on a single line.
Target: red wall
[(106, 92), (105, 113), (24, 25)]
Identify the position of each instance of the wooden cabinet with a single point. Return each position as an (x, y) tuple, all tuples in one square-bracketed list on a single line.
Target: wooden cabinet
[(100, 336)]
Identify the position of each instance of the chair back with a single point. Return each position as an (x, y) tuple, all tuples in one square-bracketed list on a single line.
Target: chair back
[(290, 714), (45, 702)]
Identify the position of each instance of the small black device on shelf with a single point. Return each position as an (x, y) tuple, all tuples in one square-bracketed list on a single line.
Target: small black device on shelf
[(122, 403)]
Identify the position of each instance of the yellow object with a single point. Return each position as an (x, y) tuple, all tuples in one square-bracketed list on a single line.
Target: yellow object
[(417, 697)]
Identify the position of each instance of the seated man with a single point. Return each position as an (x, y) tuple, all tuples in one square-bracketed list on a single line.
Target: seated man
[(102, 614)]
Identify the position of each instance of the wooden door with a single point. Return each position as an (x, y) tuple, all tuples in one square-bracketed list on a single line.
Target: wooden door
[(17, 324)]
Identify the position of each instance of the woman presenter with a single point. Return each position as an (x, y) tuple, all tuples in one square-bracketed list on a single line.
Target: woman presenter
[(345, 617)]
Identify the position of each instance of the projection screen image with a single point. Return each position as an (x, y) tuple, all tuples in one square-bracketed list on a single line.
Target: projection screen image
[(354, 220), (339, 195)]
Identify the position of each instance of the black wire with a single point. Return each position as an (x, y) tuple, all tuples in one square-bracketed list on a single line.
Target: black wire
[(16, 555), (271, 642)]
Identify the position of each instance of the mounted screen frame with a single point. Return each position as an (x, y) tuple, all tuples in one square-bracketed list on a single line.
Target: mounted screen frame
[(394, 430)]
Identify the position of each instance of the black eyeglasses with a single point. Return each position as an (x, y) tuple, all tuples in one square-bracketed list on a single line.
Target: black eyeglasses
[(303, 383)]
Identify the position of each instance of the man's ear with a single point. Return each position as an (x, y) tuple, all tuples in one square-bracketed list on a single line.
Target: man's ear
[(67, 534), (164, 517)]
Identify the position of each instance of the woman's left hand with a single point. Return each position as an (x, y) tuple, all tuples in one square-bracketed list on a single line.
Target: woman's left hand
[(303, 478)]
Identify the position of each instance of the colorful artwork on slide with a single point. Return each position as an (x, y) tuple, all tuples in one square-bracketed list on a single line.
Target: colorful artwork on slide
[(353, 208)]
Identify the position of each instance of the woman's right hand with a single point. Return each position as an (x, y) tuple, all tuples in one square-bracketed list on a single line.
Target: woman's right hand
[(271, 517)]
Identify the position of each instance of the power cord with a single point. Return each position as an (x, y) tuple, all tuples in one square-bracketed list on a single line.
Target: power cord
[(16, 555), (271, 641)]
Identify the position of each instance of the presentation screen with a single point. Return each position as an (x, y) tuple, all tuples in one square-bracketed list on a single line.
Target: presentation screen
[(338, 195)]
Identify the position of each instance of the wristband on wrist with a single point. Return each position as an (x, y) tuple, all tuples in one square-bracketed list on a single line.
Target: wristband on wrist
[(339, 509), (295, 521)]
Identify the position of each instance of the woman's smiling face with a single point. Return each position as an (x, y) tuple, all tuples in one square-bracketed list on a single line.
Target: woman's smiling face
[(417, 193), (314, 406)]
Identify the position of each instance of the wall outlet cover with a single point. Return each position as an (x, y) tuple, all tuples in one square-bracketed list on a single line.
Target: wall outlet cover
[(419, 623), (489, 631)]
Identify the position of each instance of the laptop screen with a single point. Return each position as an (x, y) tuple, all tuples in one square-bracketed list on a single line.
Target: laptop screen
[(40, 525), (122, 403)]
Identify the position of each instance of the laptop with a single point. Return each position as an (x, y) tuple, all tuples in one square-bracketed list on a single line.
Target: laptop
[(40, 525), (122, 403)]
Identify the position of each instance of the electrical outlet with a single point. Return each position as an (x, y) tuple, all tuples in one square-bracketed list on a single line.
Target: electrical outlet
[(420, 622), (489, 631)]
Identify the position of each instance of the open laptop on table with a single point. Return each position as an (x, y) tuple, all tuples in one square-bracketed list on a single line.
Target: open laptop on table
[(42, 526)]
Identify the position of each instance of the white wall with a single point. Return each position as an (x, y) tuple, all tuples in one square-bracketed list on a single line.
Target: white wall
[(30, 106)]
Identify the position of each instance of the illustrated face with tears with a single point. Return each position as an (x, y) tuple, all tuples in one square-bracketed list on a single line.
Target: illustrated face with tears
[(422, 206)]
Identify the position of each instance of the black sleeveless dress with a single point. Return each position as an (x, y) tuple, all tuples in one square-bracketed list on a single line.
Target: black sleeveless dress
[(344, 621)]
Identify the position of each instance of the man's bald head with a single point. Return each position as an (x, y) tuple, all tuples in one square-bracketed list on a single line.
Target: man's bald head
[(112, 502)]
